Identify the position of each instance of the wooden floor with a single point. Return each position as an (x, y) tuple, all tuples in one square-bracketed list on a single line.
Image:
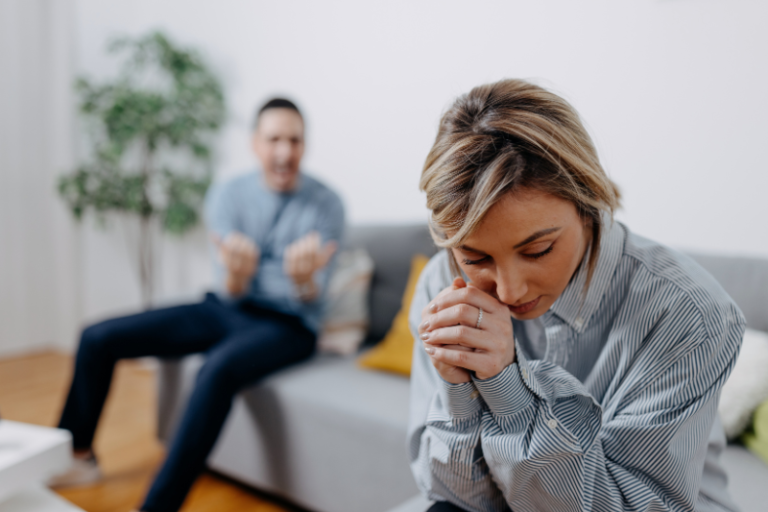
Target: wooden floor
[(32, 390)]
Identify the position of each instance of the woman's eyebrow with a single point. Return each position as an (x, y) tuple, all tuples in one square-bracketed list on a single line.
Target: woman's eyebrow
[(536, 235), (528, 240), (467, 248)]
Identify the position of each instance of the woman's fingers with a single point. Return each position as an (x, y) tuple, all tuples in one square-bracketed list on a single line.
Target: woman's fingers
[(484, 364), (460, 314), (467, 295), (428, 310), (454, 342), (458, 335), (461, 306), (452, 324), (467, 359)]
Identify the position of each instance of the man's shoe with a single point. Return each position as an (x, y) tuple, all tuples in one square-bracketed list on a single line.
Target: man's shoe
[(81, 472)]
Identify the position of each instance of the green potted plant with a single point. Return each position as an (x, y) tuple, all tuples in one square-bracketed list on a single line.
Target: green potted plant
[(150, 131)]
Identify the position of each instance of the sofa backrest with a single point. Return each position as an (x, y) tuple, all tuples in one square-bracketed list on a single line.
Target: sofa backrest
[(391, 247), (745, 280)]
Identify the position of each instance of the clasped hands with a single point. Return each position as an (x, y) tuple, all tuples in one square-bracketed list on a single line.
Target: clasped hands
[(240, 256), (454, 341)]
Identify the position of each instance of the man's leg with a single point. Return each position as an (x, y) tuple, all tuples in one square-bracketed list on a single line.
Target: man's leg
[(242, 358), (163, 332), (444, 506)]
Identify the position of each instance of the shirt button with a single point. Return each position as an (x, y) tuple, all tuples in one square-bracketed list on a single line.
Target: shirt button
[(552, 424), (524, 373), (474, 395), (579, 322)]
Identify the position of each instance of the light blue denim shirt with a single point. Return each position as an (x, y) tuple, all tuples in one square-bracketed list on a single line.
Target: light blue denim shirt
[(620, 411), (273, 221)]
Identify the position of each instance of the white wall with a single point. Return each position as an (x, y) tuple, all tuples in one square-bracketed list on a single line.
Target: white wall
[(674, 91), (39, 270)]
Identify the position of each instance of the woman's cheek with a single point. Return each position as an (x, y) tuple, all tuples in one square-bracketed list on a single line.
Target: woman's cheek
[(559, 272)]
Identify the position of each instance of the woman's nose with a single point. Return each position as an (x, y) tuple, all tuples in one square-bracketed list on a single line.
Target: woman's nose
[(511, 287)]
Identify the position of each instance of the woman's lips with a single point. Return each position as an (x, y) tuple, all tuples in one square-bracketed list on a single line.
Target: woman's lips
[(524, 308)]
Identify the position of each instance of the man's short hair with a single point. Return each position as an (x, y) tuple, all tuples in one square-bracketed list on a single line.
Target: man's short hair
[(275, 103)]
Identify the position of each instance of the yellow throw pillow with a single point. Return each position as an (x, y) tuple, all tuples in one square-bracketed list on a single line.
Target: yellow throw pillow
[(393, 353), (756, 438)]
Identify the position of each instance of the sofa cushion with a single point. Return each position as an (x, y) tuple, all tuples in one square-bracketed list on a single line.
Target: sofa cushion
[(336, 386), (325, 434)]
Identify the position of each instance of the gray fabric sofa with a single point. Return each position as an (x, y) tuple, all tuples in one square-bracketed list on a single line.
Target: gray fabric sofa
[(330, 436)]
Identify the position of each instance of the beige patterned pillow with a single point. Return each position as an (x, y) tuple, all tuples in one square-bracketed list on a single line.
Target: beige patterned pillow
[(346, 320), (747, 387)]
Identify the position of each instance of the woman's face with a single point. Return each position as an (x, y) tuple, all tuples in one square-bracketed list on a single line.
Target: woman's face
[(525, 251)]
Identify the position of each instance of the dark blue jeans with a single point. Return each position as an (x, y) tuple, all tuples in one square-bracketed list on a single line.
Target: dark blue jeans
[(444, 506), (242, 343)]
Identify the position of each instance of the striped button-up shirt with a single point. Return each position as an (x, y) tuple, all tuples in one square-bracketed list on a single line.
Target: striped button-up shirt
[(618, 413)]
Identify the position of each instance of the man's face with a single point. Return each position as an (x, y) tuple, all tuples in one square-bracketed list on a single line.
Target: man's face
[(278, 143)]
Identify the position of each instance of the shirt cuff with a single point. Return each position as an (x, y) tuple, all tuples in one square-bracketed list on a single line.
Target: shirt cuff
[(460, 400), (506, 392)]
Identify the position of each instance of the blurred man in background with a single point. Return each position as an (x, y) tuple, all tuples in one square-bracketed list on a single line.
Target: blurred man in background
[(275, 231)]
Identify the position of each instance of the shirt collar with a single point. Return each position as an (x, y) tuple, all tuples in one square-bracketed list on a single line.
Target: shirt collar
[(572, 306)]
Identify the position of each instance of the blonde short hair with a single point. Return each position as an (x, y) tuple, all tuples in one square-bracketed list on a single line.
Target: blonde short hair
[(507, 135)]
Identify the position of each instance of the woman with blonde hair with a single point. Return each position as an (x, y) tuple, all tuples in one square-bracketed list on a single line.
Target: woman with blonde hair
[(565, 363)]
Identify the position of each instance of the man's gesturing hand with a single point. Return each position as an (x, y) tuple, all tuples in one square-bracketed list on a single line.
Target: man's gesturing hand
[(303, 258), (455, 342), (240, 256)]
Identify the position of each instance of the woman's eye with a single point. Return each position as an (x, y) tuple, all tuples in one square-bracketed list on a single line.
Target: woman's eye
[(474, 262), (540, 254)]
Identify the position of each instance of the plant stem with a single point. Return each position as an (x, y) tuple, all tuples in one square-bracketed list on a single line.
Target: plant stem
[(146, 252), (146, 261)]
